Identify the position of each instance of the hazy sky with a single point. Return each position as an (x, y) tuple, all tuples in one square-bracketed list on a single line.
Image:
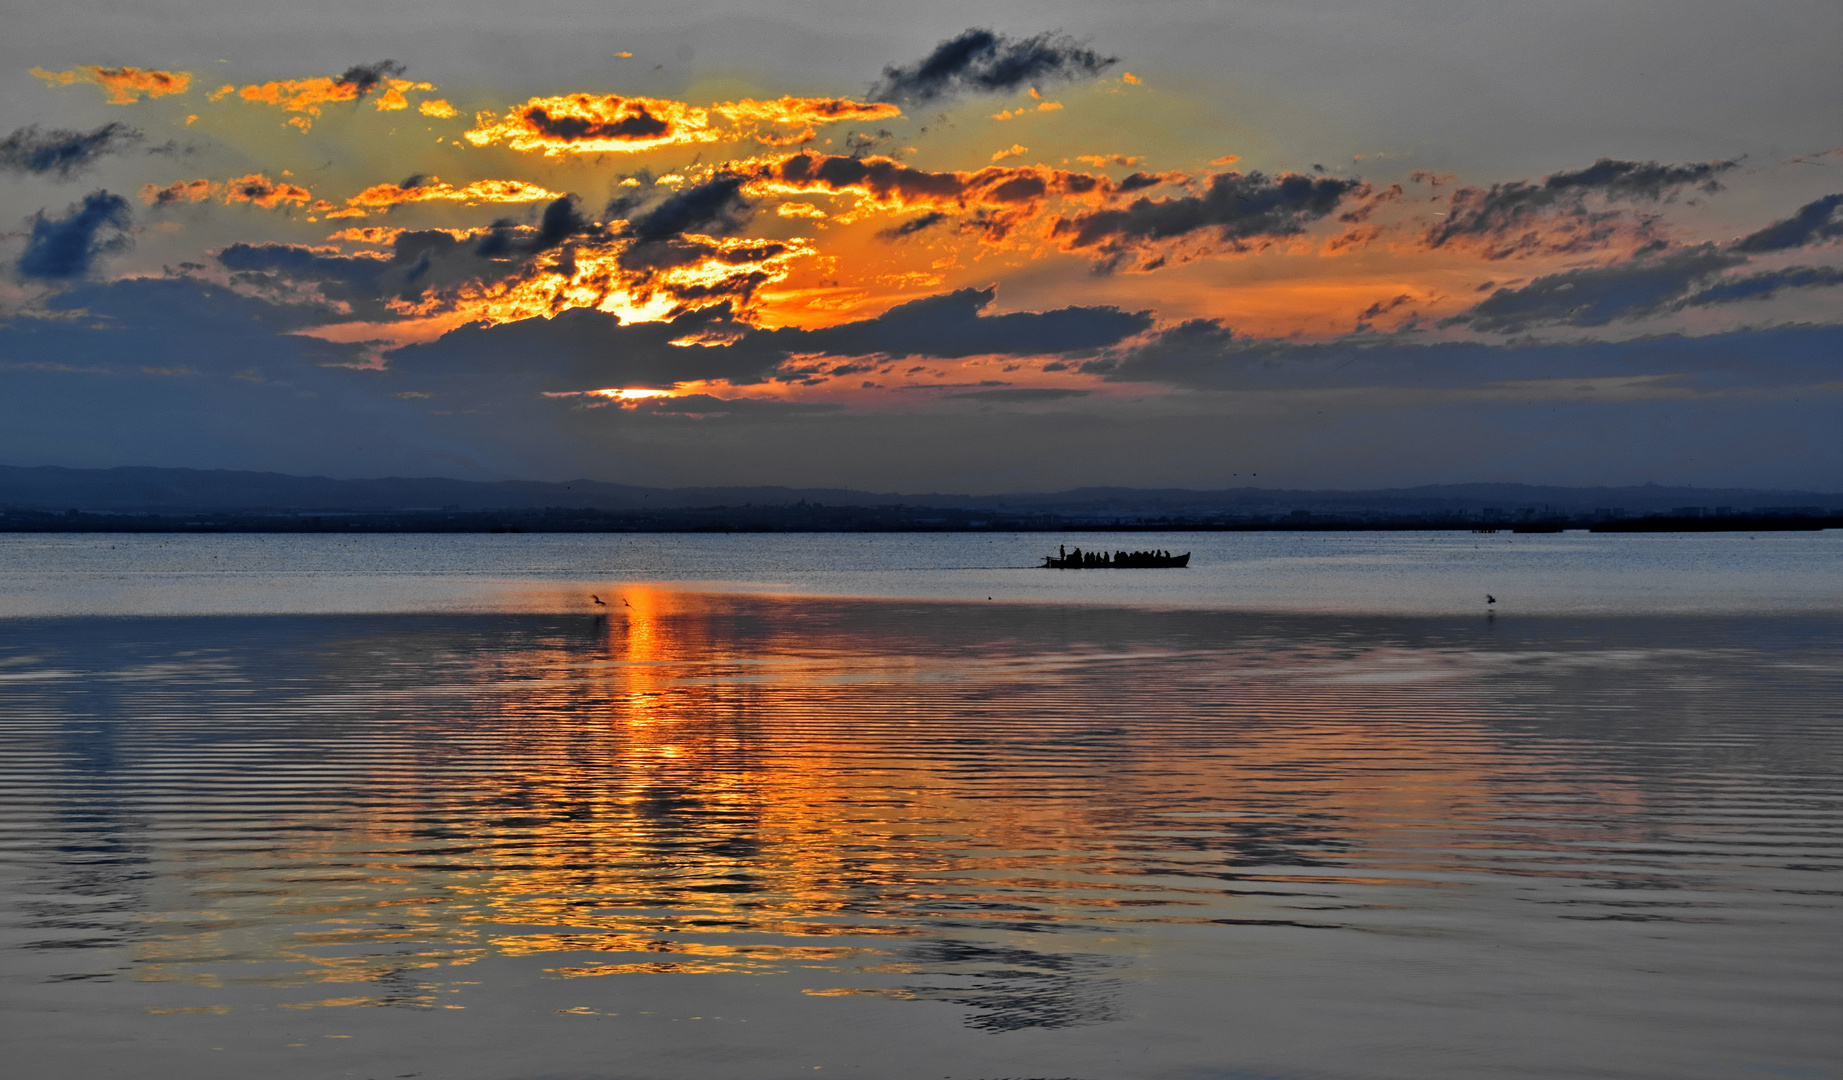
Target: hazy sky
[(967, 247)]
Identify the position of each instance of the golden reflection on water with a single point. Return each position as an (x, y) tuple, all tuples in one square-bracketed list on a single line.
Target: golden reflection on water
[(1010, 810), (642, 796)]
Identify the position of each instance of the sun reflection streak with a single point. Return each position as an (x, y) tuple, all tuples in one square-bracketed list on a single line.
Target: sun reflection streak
[(857, 796)]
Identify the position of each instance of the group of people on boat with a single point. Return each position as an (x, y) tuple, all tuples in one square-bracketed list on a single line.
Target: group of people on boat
[(1065, 559)]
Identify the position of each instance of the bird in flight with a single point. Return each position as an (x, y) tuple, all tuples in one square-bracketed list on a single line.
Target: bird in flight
[(1489, 599), (599, 602)]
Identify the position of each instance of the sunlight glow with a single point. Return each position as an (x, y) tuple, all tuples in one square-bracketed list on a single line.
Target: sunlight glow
[(631, 393)]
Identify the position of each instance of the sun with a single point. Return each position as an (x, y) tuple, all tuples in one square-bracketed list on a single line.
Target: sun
[(631, 393)]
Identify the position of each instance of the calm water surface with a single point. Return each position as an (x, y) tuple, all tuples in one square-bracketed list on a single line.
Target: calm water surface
[(426, 814), (1433, 573)]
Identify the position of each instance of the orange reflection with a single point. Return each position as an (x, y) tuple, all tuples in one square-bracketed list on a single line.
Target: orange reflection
[(683, 784)]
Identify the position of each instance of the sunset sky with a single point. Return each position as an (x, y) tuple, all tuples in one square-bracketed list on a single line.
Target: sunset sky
[(928, 247)]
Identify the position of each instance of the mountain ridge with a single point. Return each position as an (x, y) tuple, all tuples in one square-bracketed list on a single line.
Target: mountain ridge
[(151, 489)]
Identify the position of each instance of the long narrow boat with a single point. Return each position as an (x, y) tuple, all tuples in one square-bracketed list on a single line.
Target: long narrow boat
[(1118, 560)]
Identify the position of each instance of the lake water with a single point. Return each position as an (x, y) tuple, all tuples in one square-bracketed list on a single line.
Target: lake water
[(394, 806)]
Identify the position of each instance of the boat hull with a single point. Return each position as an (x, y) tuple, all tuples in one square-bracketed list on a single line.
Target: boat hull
[(1119, 560)]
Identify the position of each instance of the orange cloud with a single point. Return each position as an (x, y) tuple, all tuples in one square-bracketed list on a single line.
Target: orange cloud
[(264, 192), (796, 110), (1226, 159), (1129, 78), (703, 271), (385, 234), (1009, 114), (178, 192), (392, 99), (1002, 197), (437, 108), (300, 95), (1101, 161), (1014, 150), (804, 135), (431, 189), (800, 209), (306, 96), (368, 234), (254, 188), (587, 124), (124, 85)]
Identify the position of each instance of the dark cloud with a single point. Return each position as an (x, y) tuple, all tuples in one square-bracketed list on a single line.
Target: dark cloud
[(132, 307), (743, 267), (1174, 356), (883, 178), (1763, 285), (1383, 307), (418, 262), (1639, 179), (365, 77), (983, 62), (951, 326), (179, 371), (627, 200), (1139, 181), (673, 234), (1205, 355), (1022, 394), (300, 263), (264, 398), (914, 225), (1814, 223), (62, 153), (1007, 191), (66, 248), (1238, 206), (635, 124), (1513, 217), (1599, 295), (715, 206), (585, 349), (422, 264), (560, 221)]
